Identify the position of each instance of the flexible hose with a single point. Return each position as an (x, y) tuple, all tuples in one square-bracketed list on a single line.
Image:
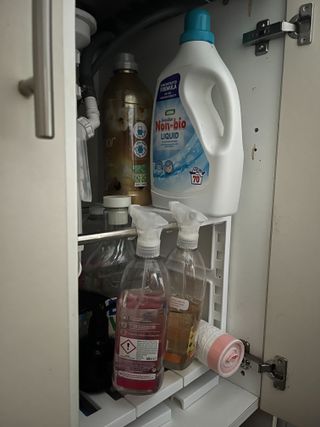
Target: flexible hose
[(88, 68), (145, 22), (87, 57)]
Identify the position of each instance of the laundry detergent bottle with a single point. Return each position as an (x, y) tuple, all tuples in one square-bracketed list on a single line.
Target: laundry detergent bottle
[(197, 153), (142, 309)]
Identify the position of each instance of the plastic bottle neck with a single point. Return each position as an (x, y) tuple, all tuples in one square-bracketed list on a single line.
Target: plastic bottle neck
[(116, 219), (187, 244), (197, 48), (184, 248), (112, 227), (148, 252)]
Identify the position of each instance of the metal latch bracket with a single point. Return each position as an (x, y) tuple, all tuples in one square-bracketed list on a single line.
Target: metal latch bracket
[(276, 368), (299, 27)]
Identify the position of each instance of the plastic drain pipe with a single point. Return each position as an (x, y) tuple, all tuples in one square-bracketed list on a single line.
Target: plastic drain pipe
[(92, 120)]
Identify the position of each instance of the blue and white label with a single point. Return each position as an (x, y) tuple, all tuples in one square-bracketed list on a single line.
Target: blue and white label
[(140, 130), (140, 149), (179, 161)]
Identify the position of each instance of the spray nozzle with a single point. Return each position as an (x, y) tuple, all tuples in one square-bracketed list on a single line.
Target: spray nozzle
[(149, 226), (189, 221)]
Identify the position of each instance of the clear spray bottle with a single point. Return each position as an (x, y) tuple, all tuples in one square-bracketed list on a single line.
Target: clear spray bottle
[(142, 310), (187, 278)]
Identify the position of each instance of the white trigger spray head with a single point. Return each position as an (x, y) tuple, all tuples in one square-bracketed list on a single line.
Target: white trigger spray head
[(149, 226), (189, 221)]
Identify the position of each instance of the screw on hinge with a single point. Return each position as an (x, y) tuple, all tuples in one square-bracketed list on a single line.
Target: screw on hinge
[(245, 364), (246, 346), (253, 151), (262, 48)]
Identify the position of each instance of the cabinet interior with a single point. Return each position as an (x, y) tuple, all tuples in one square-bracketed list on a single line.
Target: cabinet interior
[(237, 267)]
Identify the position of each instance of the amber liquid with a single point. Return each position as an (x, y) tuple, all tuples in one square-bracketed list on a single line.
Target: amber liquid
[(126, 122), (181, 335)]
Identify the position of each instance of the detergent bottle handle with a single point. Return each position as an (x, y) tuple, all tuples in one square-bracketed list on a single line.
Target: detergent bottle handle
[(215, 135), (231, 106)]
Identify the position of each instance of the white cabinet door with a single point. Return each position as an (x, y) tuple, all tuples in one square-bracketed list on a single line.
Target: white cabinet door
[(38, 263), (293, 314)]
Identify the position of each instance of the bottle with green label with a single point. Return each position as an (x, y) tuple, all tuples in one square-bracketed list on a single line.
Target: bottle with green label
[(126, 121)]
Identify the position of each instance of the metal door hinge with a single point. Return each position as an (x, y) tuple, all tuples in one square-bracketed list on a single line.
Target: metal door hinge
[(276, 368), (299, 27)]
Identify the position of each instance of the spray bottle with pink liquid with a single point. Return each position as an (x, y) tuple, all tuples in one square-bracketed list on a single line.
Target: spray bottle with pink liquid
[(142, 310)]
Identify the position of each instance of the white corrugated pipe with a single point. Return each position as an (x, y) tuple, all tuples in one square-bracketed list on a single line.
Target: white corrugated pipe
[(92, 120), (86, 127), (84, 183)]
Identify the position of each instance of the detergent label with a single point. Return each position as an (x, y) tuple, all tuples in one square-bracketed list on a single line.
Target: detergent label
[(179, 161)]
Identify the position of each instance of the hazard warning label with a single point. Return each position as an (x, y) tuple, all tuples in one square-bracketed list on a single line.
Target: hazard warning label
[(134, 349), (127, 346)]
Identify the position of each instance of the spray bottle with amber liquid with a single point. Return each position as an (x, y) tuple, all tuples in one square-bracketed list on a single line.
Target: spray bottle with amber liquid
[(187, 275)]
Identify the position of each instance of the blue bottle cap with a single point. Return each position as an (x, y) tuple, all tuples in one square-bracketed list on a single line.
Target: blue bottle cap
[(197, 27)]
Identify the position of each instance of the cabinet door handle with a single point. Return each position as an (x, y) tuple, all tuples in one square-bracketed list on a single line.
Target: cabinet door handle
[(41, 84)]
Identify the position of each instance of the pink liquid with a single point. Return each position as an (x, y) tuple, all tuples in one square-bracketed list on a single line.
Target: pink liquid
[(140, 341)]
